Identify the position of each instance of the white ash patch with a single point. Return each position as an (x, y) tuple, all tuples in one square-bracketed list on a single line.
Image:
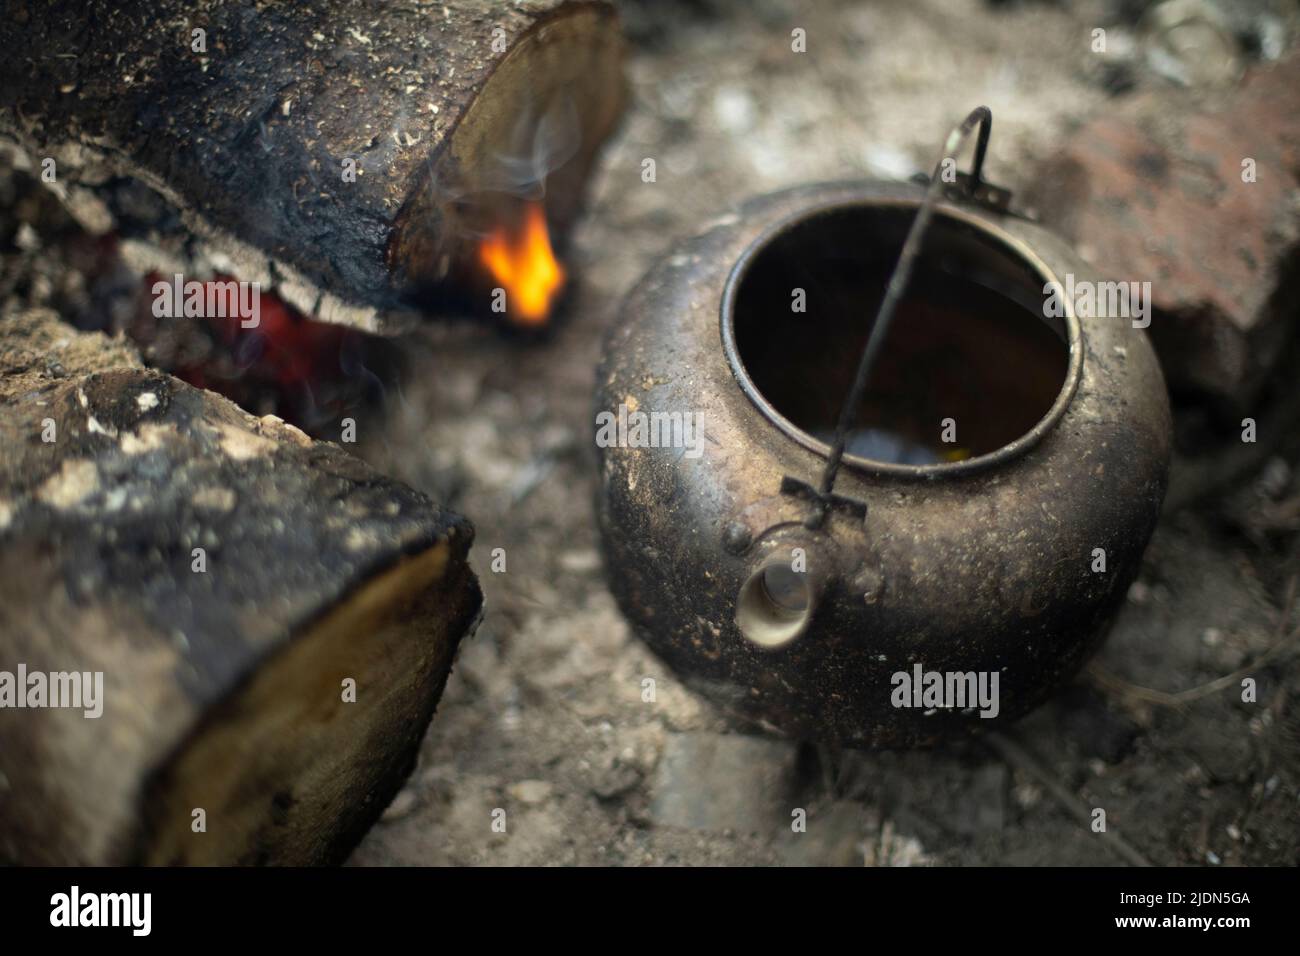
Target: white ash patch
[(243, 445), (27, 238), (284, 430), (115, 499), (95, 428), (75, 481), (359, 540), (146, 439)]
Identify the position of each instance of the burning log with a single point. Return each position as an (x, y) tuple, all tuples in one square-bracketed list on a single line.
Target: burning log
[(271, 622), (344, 152)]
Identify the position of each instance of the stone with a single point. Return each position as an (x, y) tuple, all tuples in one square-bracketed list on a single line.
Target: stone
[(1161, 190), (834, 837), (707, 781)]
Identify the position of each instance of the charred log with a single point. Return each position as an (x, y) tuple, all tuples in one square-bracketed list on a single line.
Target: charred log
[(273, 621), (342, 152)]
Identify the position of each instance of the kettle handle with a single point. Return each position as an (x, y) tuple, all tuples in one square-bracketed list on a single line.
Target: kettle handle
[(970, 187)]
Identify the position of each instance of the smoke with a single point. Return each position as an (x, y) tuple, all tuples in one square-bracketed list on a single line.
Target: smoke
[(540, 142), (539, 145)]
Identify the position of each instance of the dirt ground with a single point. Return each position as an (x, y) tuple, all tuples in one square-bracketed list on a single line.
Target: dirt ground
[(543, 717)]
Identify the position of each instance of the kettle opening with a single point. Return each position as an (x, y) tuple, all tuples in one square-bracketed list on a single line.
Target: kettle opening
[(972, 369)]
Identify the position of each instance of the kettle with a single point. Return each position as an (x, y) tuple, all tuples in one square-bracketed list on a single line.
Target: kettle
[(878, 532)]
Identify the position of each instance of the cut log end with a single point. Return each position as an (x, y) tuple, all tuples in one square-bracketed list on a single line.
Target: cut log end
[(294, 768), (272, 621), (533, 129)]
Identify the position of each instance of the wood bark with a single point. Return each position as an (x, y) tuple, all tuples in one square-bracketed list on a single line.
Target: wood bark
[(227, 576), (447, 113)]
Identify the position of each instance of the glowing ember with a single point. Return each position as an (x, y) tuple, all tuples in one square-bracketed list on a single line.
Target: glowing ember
[(308, 372), (523, 263)]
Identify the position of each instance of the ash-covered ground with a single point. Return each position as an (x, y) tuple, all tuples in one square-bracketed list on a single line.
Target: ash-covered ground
[(543, 716)]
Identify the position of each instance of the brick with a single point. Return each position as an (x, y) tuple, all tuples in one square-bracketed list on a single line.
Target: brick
[(1154, 191)]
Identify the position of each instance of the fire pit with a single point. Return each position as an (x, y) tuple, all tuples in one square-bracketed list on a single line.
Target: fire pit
[(263, 196), (942, 546)]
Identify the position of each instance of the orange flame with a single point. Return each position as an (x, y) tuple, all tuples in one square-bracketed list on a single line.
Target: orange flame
[(522, 262)]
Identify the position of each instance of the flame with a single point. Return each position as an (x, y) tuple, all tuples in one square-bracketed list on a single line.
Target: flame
[(522, 262)]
